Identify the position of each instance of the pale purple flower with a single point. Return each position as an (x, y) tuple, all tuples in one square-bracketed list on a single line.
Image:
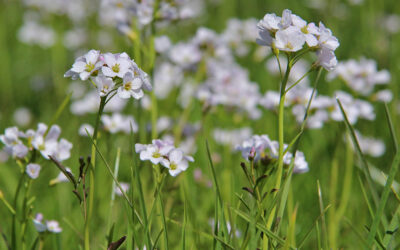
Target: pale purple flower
[(290, 39), (104, 85), (33, 170), (53, 226), (154, 152), (177, 162), (131, 86), (85, 66), (13, 144), (116, 65)]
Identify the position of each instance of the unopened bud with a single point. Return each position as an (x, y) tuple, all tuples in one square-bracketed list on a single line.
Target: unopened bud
[(252, 154)]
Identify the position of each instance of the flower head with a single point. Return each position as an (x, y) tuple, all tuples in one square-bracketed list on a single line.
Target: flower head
[(32, 170), (163, 152), (85, 66)]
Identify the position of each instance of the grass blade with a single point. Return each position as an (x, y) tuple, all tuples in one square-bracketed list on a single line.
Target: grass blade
[(323, 220), (364, 162), (384, 198), (312, 227), (391, 128), (224, 226), (266, 231)]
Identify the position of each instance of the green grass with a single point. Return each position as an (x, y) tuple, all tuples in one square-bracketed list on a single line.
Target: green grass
[(337, 204)]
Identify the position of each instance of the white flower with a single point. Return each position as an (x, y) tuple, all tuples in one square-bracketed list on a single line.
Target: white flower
[(154, 152), (326, 59), (166, 77), (370, 146), (53, 226), (32, 170), (162, 44), (119, 123), (125, 187), (22, 116), (84, 66), (131, 86), (14, 146), (300, 163), (104, 85), (256, 143), (164, 152), (326, 40), (270, 22), (32, 32), (84, 127), (37, 222), (61, 177), (116, 65), (48, 145), (144, 13), (286, 19), (362, 75), (231, 137), (177, 162), (384, 95), (290, 39), (185, 55)]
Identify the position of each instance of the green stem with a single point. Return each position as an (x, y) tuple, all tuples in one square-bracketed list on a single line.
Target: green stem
[(24, 214), (91, 174), (281, 145), (14, 218), (281, 126)]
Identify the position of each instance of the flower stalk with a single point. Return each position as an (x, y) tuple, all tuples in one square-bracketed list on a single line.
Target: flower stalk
[(89, 211)]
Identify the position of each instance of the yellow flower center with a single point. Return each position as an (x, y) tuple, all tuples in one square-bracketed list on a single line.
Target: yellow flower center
[(89, 67), (115, 68), (128, 86), (156, 154), (173, 166)]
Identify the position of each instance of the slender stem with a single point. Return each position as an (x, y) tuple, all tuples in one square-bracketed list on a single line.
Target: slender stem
[(24, 213), (281, 126), (14, 233), (91, 174), (297, 82), (281, 145)]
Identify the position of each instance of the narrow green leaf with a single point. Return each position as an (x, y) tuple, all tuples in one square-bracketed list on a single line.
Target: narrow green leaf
[(224, 226), (312, 227), (266, 231), (323, 220), (384, 198), (391, 128), (361, 156)]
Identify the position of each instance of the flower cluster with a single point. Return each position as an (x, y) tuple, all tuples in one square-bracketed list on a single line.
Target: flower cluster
[(229, 85), (362, 76), (240, 34), (44, 139), (111, 72), (291, 33), (370, 146), (121, 13), (323, 108), (34, 33), (163, 152), (231, 137), (260, 147), (119, 123), (51, 226)]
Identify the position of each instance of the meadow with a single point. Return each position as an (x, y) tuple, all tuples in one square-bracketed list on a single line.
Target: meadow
[(199, 124)]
